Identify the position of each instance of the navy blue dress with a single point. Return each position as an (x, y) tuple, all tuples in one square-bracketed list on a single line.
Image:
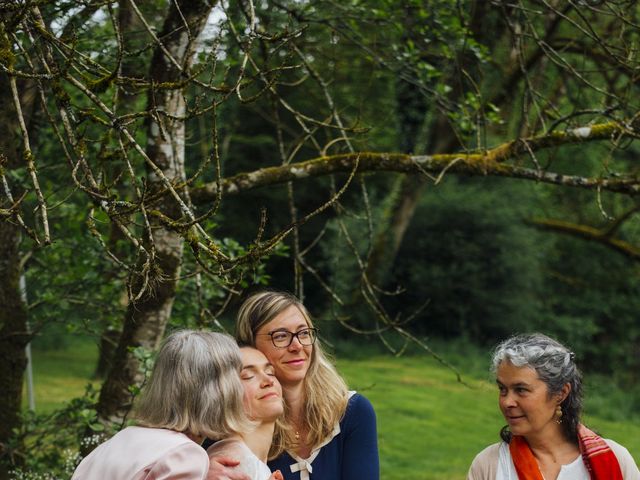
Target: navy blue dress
[(352, 454)]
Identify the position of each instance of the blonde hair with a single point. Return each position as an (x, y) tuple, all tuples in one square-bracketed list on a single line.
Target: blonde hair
[(326, 393), (195, 386)]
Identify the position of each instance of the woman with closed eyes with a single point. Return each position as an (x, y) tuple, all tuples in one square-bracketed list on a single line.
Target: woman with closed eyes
[(263, 405), (329, 433)]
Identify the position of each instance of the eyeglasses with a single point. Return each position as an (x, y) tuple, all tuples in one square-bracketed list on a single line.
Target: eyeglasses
[(284, 338)]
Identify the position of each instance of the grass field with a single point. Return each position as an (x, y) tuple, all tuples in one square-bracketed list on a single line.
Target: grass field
[(60, 375), (429, 425)]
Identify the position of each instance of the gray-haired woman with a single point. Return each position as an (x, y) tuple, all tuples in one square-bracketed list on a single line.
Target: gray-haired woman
[(541, 400), (194, 392)]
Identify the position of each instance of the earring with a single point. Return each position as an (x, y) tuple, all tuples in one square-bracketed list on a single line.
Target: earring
[(558, 414)]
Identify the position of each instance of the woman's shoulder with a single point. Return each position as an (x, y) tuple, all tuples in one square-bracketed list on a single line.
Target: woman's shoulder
[(359, 409), (490, 453), (228, 446), (358, 403), (154, 438), (168, 451), (238, 450), (625, 460), (485, 463)]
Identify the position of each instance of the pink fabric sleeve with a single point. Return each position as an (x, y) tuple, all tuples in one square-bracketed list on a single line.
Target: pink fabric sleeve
[(184, 462)]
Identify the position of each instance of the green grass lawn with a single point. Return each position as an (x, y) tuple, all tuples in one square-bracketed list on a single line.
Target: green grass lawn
[(60, 375), (429, 425)]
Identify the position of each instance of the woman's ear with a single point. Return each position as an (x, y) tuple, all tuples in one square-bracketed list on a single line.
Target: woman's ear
[(564, 393)]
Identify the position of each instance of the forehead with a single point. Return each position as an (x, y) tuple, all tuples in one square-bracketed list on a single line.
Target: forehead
[(252, 356), (509, 374), (291, 318)]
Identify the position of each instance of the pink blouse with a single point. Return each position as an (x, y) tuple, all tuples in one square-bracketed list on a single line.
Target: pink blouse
[(140, 453)]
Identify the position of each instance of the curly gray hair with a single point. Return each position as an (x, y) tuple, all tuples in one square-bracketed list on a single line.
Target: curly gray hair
[(554, 363)]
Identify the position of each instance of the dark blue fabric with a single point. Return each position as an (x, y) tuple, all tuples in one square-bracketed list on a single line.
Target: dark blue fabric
[(351, 455)]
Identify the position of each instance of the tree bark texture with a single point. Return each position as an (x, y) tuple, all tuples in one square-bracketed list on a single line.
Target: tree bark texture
[(14, 334), (14, 337), (146, 318)]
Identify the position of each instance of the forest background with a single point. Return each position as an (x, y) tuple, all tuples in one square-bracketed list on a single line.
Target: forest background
[(411, 169)]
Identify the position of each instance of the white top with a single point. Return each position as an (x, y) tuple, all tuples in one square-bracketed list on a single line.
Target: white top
[(141, 453), (575, 470), (249, 463)]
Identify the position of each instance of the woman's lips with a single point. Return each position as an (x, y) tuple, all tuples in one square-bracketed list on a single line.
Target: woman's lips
[(269, 395), (512, 419), (297, 361)]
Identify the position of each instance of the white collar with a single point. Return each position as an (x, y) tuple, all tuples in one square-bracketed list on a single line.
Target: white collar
[(303, 465)]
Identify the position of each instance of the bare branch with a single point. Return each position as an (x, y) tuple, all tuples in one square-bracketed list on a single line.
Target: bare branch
[(586, 232)]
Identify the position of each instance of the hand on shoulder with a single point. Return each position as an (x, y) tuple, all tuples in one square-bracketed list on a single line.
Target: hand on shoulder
[(223, 468)]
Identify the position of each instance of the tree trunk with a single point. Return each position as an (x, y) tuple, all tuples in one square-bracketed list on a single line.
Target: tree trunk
[(146, 318), (106, 351), (14, 334), (13, 339)]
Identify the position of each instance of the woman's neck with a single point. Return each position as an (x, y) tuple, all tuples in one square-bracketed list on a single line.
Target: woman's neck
[(294, 398), (552, 444), (259, 440)]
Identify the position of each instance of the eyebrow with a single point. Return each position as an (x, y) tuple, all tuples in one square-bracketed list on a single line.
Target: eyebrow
[(519, 384), (302, 326), (256, 367)]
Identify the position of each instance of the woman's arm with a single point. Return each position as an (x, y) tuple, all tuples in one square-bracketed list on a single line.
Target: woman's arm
[(360, 454), (223, 468), (224, 461), (484, 466)]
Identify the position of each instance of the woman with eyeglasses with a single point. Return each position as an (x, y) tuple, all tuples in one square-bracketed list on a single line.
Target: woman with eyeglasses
[(329, 432)]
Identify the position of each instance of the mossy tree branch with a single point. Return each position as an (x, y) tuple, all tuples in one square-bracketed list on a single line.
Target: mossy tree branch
[(492, 162)]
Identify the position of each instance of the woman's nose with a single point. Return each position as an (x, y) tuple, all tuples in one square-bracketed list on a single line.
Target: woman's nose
[(295, 344), (508, 400), (267, 380)]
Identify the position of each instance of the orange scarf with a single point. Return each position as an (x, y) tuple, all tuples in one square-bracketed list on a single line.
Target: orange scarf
[(597, 456)]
